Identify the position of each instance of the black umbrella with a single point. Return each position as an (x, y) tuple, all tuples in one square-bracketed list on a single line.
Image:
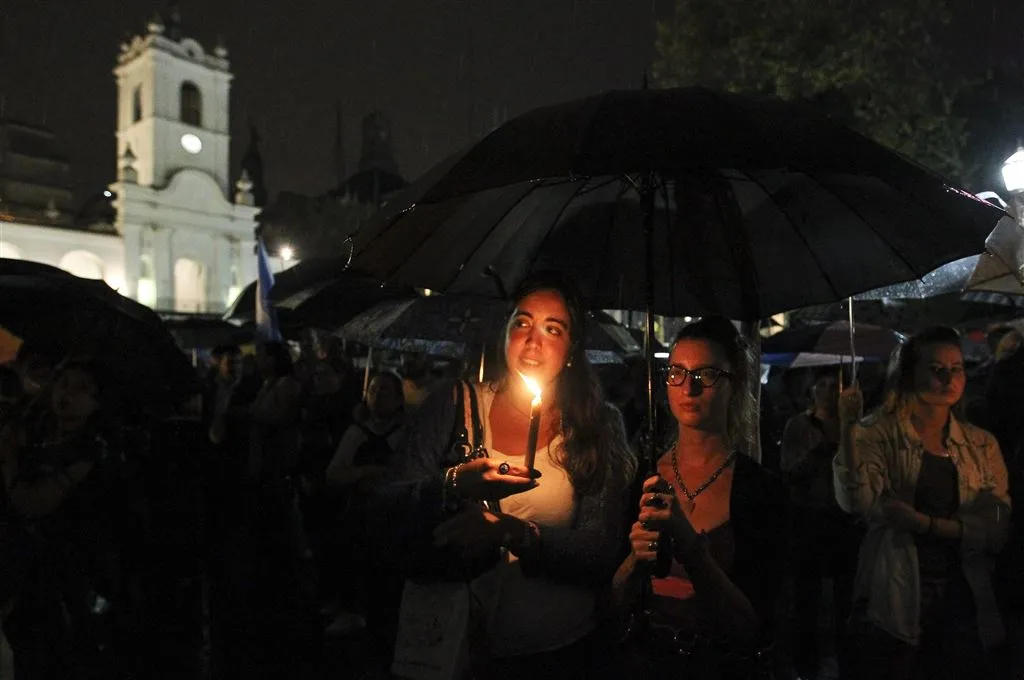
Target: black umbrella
[(318, 293), (967, 310), (679, 202), (85, 317), (756, 206), (827, 344), (200, 332)]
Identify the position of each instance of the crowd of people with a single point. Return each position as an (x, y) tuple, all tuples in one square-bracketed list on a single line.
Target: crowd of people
[(276, 530)]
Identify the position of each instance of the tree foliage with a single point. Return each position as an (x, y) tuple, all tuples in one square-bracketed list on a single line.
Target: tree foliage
[(879, 66)]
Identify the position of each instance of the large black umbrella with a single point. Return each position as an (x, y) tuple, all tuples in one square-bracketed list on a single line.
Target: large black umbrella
[(755, 206), (678, 202), (85, 317)]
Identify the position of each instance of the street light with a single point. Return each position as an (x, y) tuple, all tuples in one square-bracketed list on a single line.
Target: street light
[(287, 253), (1013, 171), (1013, 178)]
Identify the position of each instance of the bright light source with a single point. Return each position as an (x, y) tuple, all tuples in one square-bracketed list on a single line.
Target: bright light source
[(534, 388), (687, 319), (107, 194), (661, 355), (191, 143), (286, 253), (146, 292), (1013, 171)]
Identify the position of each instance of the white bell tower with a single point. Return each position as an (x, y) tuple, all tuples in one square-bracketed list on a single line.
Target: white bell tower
[(173, 107), (187, 246)]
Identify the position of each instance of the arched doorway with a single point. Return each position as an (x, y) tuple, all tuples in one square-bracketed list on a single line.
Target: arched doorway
[(82, 263), (189, 286)]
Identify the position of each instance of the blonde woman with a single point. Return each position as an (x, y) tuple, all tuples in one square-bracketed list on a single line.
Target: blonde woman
[(933, 490)]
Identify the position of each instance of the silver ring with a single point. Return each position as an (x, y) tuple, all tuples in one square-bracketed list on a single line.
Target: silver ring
[(652, 546), (504, 468)]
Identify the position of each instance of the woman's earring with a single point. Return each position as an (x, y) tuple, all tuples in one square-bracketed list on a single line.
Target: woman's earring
[(568, 363)]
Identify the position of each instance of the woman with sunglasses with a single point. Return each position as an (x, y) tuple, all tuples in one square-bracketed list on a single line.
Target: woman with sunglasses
[(710, 617)]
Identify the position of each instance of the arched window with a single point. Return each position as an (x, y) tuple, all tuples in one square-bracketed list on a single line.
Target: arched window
[(191, 105), (137, 104)]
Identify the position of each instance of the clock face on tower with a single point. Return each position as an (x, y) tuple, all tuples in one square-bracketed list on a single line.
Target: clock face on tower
[(191, 143)]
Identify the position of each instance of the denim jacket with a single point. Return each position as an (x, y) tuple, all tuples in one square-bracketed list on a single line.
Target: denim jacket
[(888, 576)]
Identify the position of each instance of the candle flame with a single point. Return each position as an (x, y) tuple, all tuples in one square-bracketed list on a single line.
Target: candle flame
[(534, 387)]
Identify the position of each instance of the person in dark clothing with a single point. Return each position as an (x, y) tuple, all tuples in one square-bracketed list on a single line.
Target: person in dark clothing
[(367, 450), (56, 480), (711, 616), (825, 539)]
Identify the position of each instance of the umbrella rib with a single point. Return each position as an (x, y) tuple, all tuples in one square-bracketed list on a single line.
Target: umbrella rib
[(800, 234), (868, 224), (481, 242), (554, 223), (611, 227)]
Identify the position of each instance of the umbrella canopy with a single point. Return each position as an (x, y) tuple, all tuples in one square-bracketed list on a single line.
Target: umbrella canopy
[(451, 325), (986, 272), (200, 332), (1000, 269), (828, 344), (318, 293), (740, 189), (967, 310), (130, 343)]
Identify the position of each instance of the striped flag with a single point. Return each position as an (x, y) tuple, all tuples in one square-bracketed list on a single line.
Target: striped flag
[(266, 316)]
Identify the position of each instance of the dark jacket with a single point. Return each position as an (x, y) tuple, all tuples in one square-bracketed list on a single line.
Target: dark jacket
[(758, 516)]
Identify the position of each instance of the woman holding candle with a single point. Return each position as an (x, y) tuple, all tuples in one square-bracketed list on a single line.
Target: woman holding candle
[(555, 533), (711, 616)]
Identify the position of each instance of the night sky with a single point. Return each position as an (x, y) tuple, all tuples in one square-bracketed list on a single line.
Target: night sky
[(440, 69)]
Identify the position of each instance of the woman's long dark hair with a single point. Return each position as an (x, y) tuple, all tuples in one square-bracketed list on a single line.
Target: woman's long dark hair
[(595, 449), (899, 378)]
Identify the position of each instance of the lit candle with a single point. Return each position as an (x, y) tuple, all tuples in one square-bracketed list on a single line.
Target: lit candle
[(531, 441)]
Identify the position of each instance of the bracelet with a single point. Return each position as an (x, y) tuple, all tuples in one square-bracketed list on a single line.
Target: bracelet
[(455, 477)]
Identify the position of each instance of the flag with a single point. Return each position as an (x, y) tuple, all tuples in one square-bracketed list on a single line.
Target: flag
[(266, 316)]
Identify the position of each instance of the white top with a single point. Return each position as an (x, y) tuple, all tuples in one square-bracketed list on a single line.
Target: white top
[(532, 615)]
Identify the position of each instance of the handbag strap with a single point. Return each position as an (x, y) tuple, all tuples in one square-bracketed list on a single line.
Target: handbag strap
[(474, 412), (459, 437)]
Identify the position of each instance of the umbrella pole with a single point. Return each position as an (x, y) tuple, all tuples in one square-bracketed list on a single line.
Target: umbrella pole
[(853, 344), (366, 372), (664, 562), (647, 201)]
